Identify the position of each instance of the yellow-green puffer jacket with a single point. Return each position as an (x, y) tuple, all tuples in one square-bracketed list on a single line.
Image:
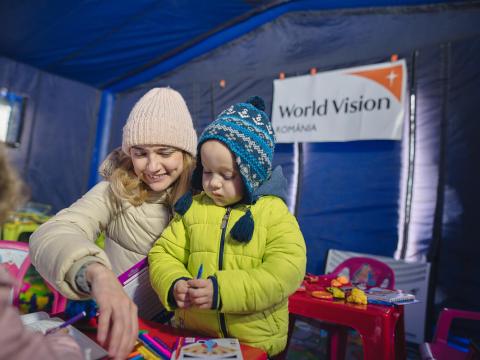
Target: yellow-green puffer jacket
[(254, 278)]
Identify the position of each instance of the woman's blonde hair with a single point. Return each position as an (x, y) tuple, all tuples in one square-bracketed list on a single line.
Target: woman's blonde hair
[(10, 186), (126, 185)]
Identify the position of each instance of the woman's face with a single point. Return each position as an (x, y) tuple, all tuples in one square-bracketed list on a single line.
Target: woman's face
[(156, 165)]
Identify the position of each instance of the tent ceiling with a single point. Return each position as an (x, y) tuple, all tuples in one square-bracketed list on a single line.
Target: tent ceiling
[(103, 42)]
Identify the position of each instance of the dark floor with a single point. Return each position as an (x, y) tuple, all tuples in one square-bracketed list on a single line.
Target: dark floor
[(309, 342)]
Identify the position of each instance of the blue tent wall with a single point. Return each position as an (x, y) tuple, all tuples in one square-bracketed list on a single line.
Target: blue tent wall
[(58, 134), (348, 193), (458, 251), (351, 189)]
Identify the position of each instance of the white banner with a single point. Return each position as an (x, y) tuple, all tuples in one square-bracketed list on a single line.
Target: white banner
[(360, 103)]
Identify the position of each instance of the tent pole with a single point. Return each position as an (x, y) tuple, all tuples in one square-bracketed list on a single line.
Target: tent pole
[(437, 233), (411, 160), (102, 139)]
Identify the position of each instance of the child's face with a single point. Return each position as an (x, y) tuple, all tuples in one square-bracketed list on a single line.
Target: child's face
[(221, 179)]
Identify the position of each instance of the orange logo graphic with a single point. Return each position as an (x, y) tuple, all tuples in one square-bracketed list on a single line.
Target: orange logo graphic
[(390, 77)]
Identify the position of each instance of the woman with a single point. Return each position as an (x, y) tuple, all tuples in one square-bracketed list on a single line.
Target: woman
[(132, 206)]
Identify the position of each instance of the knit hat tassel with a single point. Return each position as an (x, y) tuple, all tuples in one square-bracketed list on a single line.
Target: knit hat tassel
[(183, 204), (242, 231)]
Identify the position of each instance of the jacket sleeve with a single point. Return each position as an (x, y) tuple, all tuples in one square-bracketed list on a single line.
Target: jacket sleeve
[(17, 342), (168, 259), (281, 271), (61, 245)]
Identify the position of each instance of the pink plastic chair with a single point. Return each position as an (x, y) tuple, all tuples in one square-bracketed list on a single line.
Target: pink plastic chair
[(367, 271), (15, 258), (439, 348)]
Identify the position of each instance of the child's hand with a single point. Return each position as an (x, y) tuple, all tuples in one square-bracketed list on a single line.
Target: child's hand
[(201, 293), (180, 293)]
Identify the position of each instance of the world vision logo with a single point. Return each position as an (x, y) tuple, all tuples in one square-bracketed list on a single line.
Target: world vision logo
[(390, 78), (366, 98)]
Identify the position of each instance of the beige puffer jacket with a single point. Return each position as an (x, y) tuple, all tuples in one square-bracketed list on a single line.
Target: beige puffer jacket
[(63, 244)]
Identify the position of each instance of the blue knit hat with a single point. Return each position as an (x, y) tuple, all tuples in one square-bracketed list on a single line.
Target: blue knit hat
[(246, 130)]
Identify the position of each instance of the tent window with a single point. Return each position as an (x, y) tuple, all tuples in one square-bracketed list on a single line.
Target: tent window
[(11, 117)]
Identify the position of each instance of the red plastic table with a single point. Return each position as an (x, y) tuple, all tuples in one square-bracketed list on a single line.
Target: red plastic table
[(381, 327)]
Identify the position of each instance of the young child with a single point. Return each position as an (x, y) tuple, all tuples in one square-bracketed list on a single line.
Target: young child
[(239, 231)]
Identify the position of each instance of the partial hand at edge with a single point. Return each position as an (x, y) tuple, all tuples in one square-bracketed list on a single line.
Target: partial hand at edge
[(63, 345)]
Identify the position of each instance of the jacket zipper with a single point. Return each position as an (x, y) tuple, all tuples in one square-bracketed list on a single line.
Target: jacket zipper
[(223, 226)]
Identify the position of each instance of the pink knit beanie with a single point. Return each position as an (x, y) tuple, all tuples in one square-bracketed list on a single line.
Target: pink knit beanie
[(160, 117)]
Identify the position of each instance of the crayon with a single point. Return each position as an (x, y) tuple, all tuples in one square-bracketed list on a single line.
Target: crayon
[(200, 271), (179, 347), (160, 341), (151, 344), (136, 357), (147, 353), (133, 355), (175, 345), (160, 345), (68, 322)]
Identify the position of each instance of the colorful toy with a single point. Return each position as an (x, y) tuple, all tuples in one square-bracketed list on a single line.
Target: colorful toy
[(322, 295), (336, 292), (357, 296), (34, 294), (339, 281), (22, 223)]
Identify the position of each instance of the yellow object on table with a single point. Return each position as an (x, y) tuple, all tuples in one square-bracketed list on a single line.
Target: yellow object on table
[(357, 296), (146, 353), (336, 292)]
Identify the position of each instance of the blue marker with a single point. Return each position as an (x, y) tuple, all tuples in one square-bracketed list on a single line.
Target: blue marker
[(200, 271)]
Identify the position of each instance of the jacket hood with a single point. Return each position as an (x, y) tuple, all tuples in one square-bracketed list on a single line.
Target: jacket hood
[(113, 161), (276, 185)]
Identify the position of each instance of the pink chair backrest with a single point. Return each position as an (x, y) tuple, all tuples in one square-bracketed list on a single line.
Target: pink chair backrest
[(445, 319), (14, 256), (368, 271)]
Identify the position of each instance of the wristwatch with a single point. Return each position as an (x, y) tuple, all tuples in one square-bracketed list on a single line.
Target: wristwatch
[(81, 279)]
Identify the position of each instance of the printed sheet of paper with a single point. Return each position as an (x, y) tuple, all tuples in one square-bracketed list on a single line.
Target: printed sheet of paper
[(136, 283), (41, 321), (201, 348)]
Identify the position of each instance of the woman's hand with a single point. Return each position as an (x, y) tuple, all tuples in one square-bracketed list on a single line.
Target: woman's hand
[(118, 321), (200, 293), (180, 294)]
